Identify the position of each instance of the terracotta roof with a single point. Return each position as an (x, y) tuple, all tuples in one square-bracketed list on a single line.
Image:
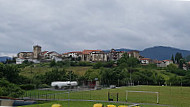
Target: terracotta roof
[(89, 51), (145, 59), (52, 52), (166, 60), (44, 52), (65, 53), (76, 52), (135, 51)]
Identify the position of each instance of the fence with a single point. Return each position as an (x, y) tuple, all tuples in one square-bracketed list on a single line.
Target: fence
[(168, 94)]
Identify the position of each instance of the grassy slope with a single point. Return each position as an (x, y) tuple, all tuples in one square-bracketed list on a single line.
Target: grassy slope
[(79, 70), (161, 72), (176, 96), (30, 72)]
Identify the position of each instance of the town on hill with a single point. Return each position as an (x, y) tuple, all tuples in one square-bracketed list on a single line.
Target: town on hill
[(39, 56)]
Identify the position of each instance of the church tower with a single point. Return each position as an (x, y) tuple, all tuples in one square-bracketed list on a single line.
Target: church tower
[(36, 51)]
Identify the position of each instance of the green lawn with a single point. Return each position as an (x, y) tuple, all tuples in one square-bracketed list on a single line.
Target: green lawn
[(77, 104), (176, 96)]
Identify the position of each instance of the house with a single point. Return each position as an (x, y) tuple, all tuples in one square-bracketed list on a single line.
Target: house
[(31, 55), (19, 60), (86, 56), (57, 58), (134, 54), (145, 61), (164, 63), (34, 61), (99, 56), (24, 55), (114, 55), (44, 54), (65, 55), (50, 55), (75, 54)]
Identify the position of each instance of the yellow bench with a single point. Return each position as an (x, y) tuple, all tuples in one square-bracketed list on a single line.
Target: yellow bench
[(110, 106), (122, 106), (98, 105), (56, 105)]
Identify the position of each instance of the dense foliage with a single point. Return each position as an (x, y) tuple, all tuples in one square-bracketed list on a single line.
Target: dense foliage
[(10, 89)]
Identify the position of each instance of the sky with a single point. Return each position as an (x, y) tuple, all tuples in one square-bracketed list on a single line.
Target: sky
[(74, 25)]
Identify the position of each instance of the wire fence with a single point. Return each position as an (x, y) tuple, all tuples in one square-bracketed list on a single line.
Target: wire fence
[(168, 93)]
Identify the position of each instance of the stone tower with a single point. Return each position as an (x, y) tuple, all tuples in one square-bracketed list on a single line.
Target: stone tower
[(36, 51)]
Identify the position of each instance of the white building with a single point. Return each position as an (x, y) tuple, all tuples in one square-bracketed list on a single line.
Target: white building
[(164, 63), (51, 54), (145, 61), (19, 60), (57, 59)]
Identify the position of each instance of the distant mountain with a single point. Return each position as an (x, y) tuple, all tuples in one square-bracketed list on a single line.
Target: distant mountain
[(159, 52), (121, 49), (4, 58), (162, 52)]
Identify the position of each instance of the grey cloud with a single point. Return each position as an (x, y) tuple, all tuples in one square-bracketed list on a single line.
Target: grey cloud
[(68, 25)]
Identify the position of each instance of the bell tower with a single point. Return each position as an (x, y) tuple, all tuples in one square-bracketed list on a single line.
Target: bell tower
[(36, 51)]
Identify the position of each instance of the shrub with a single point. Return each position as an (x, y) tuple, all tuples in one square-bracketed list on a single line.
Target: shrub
[(43, 86), (27, 86), (10, 89)]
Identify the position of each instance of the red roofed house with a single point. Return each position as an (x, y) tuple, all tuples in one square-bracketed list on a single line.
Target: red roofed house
[(99, 56), (134, 54), (86, 55), (75, 54), (145, 61), (164, 63), (115, 55)]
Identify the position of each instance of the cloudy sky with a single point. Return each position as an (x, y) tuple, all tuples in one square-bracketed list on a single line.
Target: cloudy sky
[(69, 25)]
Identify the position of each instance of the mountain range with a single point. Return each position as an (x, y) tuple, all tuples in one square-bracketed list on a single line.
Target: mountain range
[(4, 58), (159, 52)]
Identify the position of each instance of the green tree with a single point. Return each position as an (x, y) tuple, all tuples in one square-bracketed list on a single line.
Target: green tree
[(123, 59), (10, 72), (91, 74), (173, 58), (181, 62), (55, 75), (132, 62), (174, 80), (97, 65), (10, 89), (178, 56), (186, 80), (52, 63)]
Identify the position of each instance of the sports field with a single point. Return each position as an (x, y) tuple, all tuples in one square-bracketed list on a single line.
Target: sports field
[(174, 96)]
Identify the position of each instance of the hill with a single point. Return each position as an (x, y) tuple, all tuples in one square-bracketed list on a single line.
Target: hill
[(162, 52), (4, 58), (159, 52), (121, 49)]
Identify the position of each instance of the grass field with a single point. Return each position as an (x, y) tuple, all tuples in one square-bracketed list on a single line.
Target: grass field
[(176, 96), (77, 104)]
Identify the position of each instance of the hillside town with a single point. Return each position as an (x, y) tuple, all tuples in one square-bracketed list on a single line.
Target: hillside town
[(39, 56)]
